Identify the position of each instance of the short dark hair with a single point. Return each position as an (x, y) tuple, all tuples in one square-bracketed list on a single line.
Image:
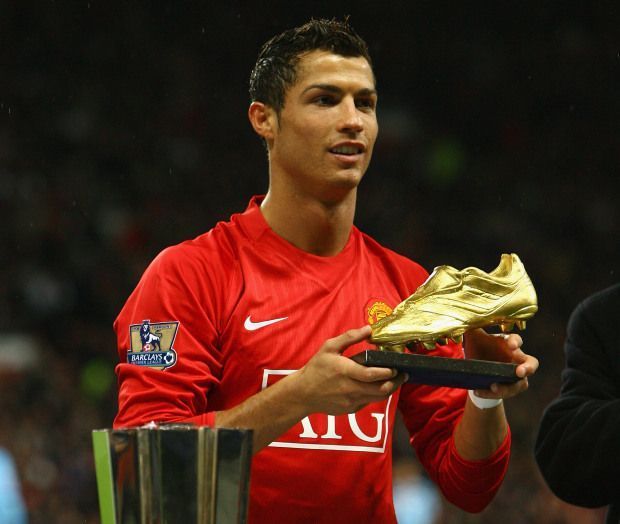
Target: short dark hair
[(276, 67)]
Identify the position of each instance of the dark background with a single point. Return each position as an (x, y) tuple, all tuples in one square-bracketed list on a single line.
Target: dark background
[(123, 129)]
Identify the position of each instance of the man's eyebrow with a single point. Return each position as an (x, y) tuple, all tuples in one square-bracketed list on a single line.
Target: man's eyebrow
[(366, 91)]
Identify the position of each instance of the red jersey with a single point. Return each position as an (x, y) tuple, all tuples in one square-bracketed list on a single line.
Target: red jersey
[(216, 319)]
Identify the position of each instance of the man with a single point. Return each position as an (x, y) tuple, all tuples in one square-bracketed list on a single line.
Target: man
[(577, 442), (260, 314)]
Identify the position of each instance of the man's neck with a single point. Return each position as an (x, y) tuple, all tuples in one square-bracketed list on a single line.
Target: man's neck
[(313, 226)]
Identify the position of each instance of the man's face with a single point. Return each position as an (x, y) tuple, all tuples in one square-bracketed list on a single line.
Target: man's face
[(327, 128)]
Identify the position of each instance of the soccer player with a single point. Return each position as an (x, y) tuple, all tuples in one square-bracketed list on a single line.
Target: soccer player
[(255, 319)]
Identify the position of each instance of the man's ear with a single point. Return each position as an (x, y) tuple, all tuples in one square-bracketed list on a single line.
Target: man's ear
[(263, 119)]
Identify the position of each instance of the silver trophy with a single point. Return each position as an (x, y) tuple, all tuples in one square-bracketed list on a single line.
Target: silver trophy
[(172, 474)]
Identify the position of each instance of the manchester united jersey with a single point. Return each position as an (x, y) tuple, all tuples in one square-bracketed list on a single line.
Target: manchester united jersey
[(217, 319)]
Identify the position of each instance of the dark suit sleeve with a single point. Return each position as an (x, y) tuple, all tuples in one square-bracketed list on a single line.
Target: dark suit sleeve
[(578, 443)]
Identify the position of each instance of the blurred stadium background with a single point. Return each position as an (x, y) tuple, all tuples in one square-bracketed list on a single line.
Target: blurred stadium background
[(123, 130)]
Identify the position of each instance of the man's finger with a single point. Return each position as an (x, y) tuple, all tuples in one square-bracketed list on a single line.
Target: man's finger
[(369, 374), (390, 386), (341, 342)]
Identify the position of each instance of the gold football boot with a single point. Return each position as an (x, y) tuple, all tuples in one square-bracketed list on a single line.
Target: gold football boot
[(451, 302)]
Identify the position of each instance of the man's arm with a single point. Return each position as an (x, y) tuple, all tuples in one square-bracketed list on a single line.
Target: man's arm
[(329, 383), (481, 431), (466, 449), (577, 442), (333, 384)]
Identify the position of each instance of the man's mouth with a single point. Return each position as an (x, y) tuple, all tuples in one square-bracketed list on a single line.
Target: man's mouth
[(347, 150)]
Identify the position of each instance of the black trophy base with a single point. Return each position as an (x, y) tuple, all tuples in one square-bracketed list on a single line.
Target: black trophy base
[(442, 371)]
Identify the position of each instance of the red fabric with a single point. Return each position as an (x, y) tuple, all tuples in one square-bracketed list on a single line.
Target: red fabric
[(430, 414), (325, 468)]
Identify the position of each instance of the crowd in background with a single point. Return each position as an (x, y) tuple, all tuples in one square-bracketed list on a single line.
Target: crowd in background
[(123, 130)]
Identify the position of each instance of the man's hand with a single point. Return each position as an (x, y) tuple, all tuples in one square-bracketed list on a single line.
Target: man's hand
[(329, 383), (481, 431), (503, 348), (333, 384)]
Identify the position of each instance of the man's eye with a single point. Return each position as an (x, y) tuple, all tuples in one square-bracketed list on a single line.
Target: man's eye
[(324, 100), (365, 103)]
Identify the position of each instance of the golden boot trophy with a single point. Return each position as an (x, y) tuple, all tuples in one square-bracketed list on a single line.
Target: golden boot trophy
[(449, 303)]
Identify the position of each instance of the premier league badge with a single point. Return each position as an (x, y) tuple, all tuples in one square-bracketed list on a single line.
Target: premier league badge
[(151, 344)]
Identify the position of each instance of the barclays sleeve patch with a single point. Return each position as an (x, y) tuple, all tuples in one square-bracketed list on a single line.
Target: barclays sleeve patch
[(151, 344)]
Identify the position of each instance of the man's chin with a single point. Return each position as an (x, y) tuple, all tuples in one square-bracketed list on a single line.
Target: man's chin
[(342, 186)]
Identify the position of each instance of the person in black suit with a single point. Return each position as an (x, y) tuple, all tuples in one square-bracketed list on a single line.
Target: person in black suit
[(578, 441)]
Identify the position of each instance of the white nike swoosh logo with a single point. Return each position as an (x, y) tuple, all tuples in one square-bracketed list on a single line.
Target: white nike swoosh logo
[(253, 326)]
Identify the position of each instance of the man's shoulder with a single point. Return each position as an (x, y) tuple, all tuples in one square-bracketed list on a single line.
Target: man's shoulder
[(391, 256), (600, 304), (217, 247), (602, 299), (404, 272), (596, 313)]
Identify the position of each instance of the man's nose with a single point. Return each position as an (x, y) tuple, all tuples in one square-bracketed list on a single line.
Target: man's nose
[(351, 119)]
